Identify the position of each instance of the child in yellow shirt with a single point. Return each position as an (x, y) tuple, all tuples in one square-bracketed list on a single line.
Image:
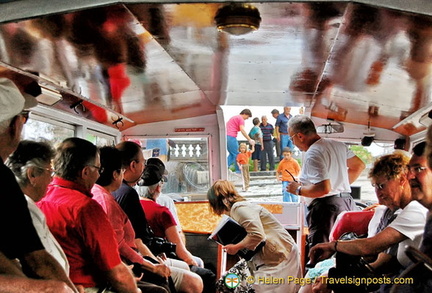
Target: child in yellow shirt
[(288, 170)]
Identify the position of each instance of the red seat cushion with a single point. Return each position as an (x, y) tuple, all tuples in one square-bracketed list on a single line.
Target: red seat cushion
[(355, 221)]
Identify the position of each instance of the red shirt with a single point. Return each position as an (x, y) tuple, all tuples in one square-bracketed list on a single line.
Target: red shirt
[(82, 228), (123, 229), (158, 217)]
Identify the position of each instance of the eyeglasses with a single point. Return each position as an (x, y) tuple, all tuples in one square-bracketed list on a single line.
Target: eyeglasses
[(25, 114), (416, 169), (379, 186), (291, 137), (99, 168), (121, 171)]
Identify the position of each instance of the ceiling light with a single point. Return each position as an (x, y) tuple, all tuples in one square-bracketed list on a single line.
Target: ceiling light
[(237, 19)]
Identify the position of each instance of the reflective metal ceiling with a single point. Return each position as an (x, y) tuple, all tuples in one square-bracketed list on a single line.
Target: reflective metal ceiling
[(350, 62)]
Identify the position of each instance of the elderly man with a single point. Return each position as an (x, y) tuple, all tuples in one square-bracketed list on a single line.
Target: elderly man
[(80, 224), (19, 237), (329, 168), (267, 131), (134, 163), (31, 164), (281, 130), (420, 176)]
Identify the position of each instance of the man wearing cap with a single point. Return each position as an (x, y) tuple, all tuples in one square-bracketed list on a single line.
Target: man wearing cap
[(163, 223), (19, 237)]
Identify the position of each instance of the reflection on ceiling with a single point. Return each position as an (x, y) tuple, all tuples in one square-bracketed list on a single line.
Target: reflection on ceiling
[(141, 63)]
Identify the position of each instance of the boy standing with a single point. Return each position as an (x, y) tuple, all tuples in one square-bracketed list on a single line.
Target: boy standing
[(286, 172)]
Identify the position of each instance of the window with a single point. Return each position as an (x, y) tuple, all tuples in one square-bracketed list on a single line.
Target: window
[(185, 159), (100, 139), (42, 128)]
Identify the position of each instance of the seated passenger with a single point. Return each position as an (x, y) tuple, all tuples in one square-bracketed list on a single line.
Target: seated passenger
[(400, 222), (80, 224), (110, 180), (420, 177), (20, 239), (278, 258), (159, 217), (166, 201), (133, 162), (31, 164), (163, 223), (13, 280)]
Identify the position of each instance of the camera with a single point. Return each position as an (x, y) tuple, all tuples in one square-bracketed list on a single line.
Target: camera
[(160, 245)]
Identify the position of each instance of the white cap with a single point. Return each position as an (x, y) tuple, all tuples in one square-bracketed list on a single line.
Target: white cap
[(12, 102)]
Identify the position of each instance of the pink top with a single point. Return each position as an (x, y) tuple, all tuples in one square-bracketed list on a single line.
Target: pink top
[(233, 125), (123, 229)]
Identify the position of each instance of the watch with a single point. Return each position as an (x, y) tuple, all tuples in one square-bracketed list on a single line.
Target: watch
[(298, 190)]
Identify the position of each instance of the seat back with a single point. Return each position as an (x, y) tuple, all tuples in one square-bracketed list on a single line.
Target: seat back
[(352, 221)]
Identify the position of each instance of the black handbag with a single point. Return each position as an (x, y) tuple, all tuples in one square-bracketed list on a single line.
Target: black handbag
[(349, 270)]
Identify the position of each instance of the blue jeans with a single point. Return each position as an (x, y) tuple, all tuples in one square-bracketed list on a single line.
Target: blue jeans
[(232, 146), (288, 197), (285, 141)]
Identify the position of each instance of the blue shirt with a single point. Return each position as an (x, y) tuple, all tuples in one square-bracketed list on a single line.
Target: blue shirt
[(282, 122)]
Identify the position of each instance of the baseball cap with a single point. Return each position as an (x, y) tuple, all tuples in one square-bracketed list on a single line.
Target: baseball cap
[(158, 162), (152, 175), (12, 102)]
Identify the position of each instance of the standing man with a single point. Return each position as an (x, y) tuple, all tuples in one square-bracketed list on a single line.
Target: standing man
[(19, 237), (267, 152), (329, 168), (233, 126), (281, 129), (80, 224), (275, 114)]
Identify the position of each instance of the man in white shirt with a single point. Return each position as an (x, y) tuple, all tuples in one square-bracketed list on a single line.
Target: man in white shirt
[(328, 169)]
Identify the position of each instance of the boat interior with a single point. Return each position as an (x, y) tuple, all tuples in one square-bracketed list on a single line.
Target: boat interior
[(365, 64), (165, 68)]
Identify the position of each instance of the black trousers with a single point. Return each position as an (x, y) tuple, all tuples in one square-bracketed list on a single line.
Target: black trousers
[(322, 213), (267, 152)]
